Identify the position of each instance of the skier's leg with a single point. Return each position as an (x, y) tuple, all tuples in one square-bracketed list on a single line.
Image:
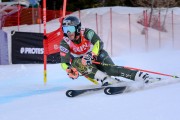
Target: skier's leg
[(103, 57), (113, 70), (104, 78), (143, 76)]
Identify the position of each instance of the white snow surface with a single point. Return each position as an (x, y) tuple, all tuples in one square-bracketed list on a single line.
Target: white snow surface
[(23, 95)]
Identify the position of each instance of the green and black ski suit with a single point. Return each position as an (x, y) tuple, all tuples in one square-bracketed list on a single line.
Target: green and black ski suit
[(72, 51)]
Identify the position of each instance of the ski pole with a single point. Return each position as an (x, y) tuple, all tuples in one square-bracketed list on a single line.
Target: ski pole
[(104, 64)]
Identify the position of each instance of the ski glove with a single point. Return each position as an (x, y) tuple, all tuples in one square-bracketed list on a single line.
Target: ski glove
[(72, 72), (87, 58)]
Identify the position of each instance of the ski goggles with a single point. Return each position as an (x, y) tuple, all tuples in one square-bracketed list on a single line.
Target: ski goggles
[(70, 29)]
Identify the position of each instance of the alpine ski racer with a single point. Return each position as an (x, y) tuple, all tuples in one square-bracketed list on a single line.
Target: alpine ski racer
[(80, 47)]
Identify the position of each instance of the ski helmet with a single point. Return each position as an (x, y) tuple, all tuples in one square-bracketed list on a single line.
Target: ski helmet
[(71, 24)]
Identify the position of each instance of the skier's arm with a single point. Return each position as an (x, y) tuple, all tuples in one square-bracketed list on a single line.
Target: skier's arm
[(95, 40), (65, 61), (65, 65), (71, 71), (96, 48), (65, 55)]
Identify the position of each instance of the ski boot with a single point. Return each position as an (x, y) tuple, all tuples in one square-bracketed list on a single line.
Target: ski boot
[(145, 77), (105, 79)]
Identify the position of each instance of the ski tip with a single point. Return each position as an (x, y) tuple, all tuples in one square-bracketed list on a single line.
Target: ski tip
[(108, 91), (114, 90), (69, 93)]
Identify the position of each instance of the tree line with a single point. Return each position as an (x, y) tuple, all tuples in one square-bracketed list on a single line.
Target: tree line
[(74, 5)]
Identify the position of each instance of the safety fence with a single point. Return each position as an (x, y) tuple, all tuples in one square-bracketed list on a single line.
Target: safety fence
[(133, 32), (30, 16)]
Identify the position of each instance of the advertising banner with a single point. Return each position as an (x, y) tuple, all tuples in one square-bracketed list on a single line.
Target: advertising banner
[(28, 48)]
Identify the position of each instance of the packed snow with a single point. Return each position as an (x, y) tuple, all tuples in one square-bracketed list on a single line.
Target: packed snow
[(23, 95)]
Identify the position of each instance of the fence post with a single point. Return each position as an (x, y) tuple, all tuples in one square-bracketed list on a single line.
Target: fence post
[(97, 23), (130, 30), (101, 26), (111, 29), (79, 13), (19, 7), (39, 18), (146, 29), (32, 9), (159, 25), (172, 28)]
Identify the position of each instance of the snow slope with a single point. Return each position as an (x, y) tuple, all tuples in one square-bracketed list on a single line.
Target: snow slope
[(23, 96)]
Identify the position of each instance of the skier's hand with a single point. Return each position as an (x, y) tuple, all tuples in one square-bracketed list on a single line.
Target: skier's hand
[(87, 58), (72, 73)]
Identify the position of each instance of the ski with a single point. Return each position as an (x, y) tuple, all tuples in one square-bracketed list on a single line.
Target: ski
[(119, 88), (74, 93), (115, 90), (112, 90)]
